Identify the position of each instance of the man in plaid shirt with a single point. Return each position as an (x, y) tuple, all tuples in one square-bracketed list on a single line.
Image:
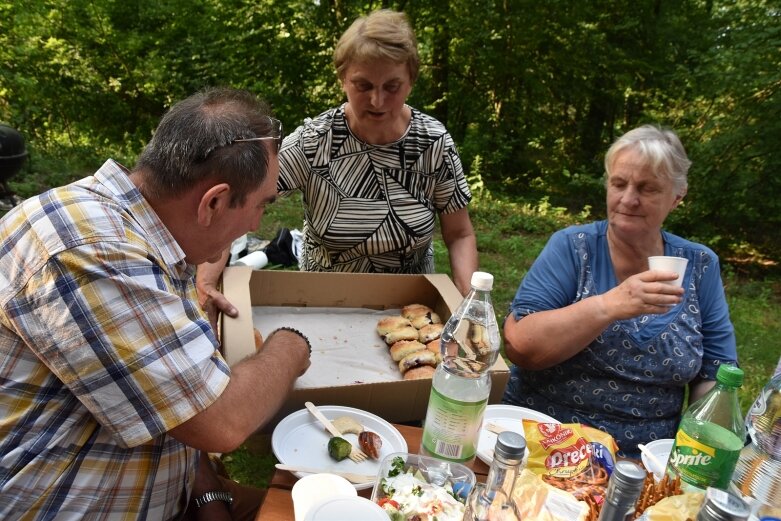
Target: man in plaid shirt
[(110, 374)]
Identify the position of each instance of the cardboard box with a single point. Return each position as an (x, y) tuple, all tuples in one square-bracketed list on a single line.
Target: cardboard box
[(395, 401)]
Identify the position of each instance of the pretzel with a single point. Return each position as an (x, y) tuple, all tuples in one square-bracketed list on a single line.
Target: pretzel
[(586, 483), (585, 486), (593, 508), (654, 492)]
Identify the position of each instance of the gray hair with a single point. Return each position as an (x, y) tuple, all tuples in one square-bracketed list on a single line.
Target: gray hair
[(660, 148), (195, 141)]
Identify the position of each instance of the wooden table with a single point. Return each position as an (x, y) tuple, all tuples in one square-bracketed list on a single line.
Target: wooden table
[(278, 505)]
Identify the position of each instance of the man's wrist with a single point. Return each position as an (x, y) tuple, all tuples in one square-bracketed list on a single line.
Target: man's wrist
[(296, 332), (213, 495)]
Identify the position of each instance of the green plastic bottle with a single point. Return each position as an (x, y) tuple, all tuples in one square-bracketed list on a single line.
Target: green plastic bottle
[(710, 436)]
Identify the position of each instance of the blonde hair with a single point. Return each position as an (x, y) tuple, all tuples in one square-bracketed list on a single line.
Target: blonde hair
[(660, 148), (382, 35)]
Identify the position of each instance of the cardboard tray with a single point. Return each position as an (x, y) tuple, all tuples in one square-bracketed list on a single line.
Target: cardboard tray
[(395, 401)]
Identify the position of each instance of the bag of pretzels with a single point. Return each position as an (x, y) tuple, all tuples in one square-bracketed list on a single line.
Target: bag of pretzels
[(572, 457)]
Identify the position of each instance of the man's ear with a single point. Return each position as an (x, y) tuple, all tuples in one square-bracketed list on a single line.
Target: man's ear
[(213, 203)]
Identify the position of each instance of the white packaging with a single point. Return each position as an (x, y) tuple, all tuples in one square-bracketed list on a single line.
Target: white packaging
[(255, 260)]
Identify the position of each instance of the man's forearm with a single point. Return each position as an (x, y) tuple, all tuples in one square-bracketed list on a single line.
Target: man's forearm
[(263, 380)]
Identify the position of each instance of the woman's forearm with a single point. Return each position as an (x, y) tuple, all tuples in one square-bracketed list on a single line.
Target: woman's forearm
[(546, 338)]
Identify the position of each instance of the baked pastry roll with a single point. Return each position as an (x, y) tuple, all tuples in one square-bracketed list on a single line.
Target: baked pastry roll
[(424, 320), (404, 347), (415, 310), (405, 333), (388, 324), (423, 357), (420, 372), (429, 333)]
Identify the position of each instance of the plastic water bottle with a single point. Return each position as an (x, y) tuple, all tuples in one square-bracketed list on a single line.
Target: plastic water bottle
[(710, 436), (469, 345), (758, 472)]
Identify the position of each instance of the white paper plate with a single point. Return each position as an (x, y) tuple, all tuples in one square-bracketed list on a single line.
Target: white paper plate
[(300, 439), (510, 417)]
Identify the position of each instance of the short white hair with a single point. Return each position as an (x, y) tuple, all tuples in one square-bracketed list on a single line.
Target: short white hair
[(660, 149)]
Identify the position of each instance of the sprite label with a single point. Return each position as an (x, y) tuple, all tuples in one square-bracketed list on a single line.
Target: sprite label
[(705, 454)]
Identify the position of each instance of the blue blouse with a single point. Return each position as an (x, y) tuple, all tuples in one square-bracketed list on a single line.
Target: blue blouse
[(630, 381)]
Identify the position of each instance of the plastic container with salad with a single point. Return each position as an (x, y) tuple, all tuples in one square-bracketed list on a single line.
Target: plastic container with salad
[(410, 485)]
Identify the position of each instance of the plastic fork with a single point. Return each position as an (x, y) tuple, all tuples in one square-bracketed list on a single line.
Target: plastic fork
[(356, 454)]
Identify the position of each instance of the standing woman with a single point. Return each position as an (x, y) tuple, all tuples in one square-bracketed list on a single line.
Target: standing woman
[(374, 172), (598, 338)]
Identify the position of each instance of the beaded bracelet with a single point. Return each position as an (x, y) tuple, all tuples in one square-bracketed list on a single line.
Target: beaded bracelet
[(297, 332)]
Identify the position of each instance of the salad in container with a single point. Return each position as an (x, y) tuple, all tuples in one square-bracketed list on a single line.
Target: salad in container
[(413, 487)]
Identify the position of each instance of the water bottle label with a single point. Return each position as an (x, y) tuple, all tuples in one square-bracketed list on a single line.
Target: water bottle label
[(701, 464), (452, 427)]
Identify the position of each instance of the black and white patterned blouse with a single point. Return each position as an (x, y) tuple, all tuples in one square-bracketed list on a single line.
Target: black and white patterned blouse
[(371, 208)]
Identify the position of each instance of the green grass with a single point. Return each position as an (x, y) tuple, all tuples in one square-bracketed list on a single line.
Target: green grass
[(509, 237), (249, 466)]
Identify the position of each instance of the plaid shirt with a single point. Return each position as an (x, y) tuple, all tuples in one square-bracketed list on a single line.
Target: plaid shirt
[(103, 349)]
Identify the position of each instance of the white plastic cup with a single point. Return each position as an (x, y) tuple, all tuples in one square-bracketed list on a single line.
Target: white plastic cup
[(312, 489), (667, 263), (661, 449), (255, 260), (346, 509)]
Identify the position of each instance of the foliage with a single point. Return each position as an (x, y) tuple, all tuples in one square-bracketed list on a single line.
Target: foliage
[(532, 92), (733, 119)]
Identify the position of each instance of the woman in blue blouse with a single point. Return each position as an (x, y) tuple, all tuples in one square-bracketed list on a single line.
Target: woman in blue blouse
[(598, 338)]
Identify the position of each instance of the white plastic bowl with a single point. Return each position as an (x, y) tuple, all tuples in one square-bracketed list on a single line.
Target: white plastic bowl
[(661, 449)]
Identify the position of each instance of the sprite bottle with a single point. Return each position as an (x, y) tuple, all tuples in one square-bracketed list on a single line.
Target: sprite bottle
[(710, 436)]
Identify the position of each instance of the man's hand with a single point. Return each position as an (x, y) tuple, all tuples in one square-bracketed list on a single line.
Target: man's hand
[(212, 301)]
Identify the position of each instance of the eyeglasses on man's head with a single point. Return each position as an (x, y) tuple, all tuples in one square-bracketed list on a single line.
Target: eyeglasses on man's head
[(276, 134)]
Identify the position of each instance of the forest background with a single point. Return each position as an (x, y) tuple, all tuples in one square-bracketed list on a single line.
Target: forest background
[(532, 91)]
